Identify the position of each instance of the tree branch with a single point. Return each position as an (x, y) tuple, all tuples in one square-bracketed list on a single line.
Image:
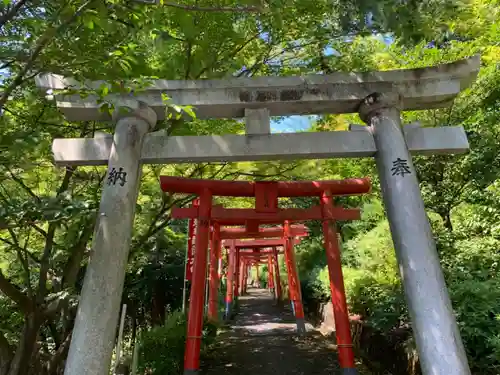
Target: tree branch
[(40, 44), (227, 57), (248, 9), (60, 354), (11, 13), (15, 294), (33, 258), (23, 257), (21, 183), (72, 267), (49, 241)]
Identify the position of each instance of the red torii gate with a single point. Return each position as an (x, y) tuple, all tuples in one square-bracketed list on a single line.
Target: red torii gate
[(219, 234), (266, 211), (235, 247), (227, 233), (273, 267), (234, 281), (256, 259)]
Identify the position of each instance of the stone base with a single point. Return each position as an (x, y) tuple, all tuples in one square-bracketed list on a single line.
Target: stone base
[(227, 313), (349, 371), (301, 326), (191, 372)]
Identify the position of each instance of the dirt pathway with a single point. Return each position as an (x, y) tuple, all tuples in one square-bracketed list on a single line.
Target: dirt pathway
[(262, 341)]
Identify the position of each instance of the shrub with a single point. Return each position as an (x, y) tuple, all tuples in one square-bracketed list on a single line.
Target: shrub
[(161, 350)]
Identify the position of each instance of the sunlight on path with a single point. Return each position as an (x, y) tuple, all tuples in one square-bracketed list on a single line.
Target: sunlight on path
[(262, 341)]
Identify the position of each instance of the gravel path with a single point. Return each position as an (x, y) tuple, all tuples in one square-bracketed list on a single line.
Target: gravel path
[(262, 341)]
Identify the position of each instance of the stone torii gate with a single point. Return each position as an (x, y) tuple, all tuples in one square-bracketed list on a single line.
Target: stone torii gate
[(379, 97)]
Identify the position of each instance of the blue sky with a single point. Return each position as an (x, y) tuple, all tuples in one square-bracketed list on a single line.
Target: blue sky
[(291, 124), (299, 123)]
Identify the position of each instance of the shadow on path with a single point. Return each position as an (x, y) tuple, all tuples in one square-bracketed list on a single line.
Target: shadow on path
[(262, 341)]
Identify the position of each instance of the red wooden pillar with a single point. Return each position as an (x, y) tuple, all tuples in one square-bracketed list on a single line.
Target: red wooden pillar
[(213, 293), (270, 274), (242, 277), (246, 277), (277, 273), (230, 280), (257, 274), (219, 256), (247, 273), (195, 314), (294, 282), (342, 324), (237, 276)]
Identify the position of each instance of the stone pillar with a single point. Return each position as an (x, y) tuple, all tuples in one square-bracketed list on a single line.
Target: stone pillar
[(435, 330), (95, 328)]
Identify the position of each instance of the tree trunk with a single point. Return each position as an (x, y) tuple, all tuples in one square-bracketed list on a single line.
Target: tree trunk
[(446, 220), (22, 359), (5, 355)]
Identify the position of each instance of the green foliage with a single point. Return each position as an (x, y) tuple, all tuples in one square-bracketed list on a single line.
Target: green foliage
[(47, 214), (476, 305), (161, 349)]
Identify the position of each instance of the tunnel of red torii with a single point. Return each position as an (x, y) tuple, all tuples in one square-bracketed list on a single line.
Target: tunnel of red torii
[(235, 283), (238, 250), (265, 212)]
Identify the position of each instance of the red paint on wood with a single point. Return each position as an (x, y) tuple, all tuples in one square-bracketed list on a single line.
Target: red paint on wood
[(270, 273), (339, 302), (213, 292), (266, 196), (252, 226), (293, 277), (191, 244), (195, 314), (278, 276), (274, 232), (231, 254), (352, 186), (260, 243)]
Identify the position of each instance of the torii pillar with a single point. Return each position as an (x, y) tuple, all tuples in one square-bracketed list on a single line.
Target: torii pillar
[(294, 282), (433, 322), (278, 276), (230, 280), (236, 282), (257, 276), (213, 293), (94, 332), (270, 274)]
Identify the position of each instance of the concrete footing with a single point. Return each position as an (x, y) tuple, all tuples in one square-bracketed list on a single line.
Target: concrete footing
[(227, 313), (301, 326), (349, 371)]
